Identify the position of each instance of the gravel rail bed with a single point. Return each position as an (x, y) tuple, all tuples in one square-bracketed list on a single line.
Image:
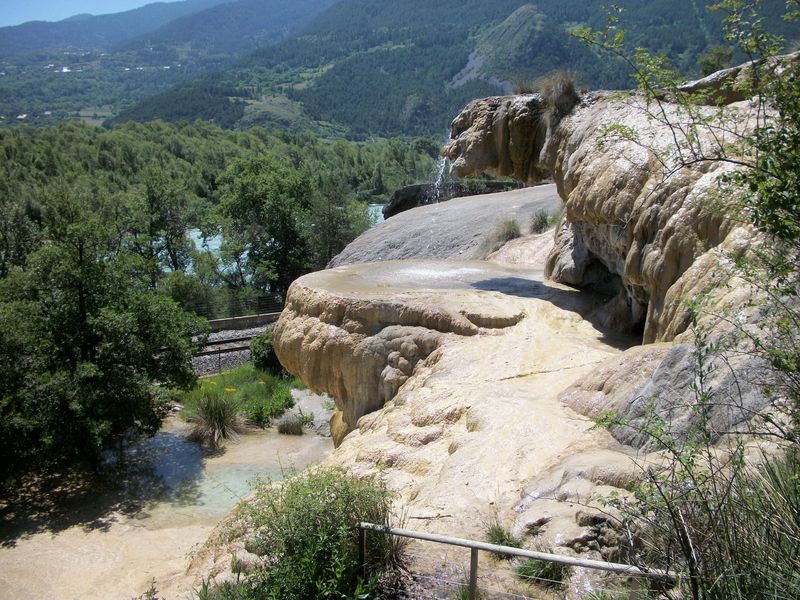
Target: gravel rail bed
[(211, 365), (225, 361)]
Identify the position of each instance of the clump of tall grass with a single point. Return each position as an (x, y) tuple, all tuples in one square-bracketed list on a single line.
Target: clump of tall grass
[(540, 572), (540, 221), (500, 536), (290, 425), (216, 418), (503, 232), (557, 91)]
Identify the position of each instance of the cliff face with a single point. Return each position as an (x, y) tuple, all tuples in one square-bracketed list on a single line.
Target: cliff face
[(629, 228)]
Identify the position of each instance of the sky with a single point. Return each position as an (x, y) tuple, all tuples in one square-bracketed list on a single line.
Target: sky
[(13, 12)]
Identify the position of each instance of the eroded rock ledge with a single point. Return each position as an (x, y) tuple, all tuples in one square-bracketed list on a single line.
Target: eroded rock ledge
[(359, 332), (627, 227)]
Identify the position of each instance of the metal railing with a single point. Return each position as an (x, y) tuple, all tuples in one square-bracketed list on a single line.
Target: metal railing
[(663, 577)]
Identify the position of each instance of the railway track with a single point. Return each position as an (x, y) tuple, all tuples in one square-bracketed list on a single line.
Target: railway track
[(225, 350), (226, 345)]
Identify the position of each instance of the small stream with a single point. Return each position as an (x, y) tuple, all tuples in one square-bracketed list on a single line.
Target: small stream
[(167, 474), (165, 497)]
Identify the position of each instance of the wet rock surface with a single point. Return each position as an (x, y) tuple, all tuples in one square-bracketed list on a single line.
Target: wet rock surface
[(452, 230)]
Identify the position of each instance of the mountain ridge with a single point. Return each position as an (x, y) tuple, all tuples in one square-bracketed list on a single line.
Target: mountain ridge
[(95, 32)]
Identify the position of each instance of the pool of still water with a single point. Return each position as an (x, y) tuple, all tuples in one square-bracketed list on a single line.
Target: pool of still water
[(167, 497)]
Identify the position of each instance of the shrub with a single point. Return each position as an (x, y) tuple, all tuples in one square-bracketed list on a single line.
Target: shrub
[(290, 425), (215, 419), (305, 529), (265, 399), (262, 353), (540, 221)]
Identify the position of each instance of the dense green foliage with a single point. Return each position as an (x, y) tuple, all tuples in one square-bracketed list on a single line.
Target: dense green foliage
[(305, 528), (262, 353), (82, 340), (100, 251), (170, 181), (255, 395)]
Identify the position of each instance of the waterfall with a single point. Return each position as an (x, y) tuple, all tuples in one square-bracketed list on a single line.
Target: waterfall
[(437, 187)]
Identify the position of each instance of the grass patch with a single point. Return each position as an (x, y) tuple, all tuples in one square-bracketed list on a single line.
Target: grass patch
[(540, 221), (258, 396), (503, 232), (500, 536), (540, 572)]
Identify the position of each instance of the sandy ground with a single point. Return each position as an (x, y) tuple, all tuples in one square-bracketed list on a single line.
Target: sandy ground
[(101, 547)]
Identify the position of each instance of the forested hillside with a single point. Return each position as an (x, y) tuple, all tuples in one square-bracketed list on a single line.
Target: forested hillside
[(231, 28), (109, 241), (96, 67), (372, 66)]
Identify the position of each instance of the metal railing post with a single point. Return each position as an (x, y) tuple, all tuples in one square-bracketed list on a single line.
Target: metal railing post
[(362, 552), (473, 574)]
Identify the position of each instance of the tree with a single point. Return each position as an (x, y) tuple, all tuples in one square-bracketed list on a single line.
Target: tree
[(335, 221), (83, 342), (265, 205), (716, 58)]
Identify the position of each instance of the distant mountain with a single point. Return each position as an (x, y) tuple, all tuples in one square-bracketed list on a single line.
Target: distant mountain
[(50, 86), (233, 28), (382, 67), (90, 32)]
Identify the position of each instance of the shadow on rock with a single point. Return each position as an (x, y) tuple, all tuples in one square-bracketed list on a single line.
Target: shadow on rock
[(586, 303)]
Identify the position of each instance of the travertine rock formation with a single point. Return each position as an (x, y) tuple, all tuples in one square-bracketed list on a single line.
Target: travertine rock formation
[(452, 230), (468, 360), (629, 229), (486, 375), (649, 235), (359, 332)]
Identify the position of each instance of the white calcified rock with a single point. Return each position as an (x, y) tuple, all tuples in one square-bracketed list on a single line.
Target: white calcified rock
[(626, 224), (468, 360)]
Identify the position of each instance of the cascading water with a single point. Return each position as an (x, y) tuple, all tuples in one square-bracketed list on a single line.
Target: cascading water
[(438, 186)]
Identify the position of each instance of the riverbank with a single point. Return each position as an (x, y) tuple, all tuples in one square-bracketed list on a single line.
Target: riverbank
[(112, 540)]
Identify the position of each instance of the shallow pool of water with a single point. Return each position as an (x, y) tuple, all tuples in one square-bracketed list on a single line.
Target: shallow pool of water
[(167, 497)]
